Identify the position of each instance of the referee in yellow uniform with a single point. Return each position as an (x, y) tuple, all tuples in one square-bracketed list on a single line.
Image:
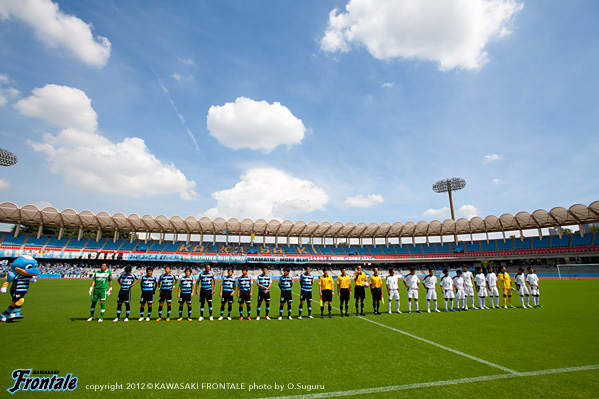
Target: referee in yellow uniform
[(359, 293), (505, 282), (376, 290), (325, 285), (344, 291)]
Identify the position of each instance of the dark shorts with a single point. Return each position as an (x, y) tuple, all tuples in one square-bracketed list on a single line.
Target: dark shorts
[(286, 296), (124, 296), (306, 296), (244, 296), (344, 294), (226, 298), (377, 294), (18, 295), (147, 296), (327, 295), (359, 292), (264, 296), (205, 295), (166, 295), (185, 298)]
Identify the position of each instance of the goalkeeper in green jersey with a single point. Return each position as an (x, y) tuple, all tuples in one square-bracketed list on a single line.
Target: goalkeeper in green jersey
[(101, 286)]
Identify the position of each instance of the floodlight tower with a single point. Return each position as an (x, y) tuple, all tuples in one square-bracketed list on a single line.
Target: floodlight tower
[(447, 186), (7, 158)]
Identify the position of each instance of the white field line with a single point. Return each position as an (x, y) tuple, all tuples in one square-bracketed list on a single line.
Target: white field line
[(437, 383), (507, 370)]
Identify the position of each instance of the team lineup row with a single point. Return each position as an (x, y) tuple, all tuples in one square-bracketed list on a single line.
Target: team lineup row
[(457, 288)]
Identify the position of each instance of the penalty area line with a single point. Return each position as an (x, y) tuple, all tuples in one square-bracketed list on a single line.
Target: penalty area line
[(477, 359), (507, 370), (437, 383)]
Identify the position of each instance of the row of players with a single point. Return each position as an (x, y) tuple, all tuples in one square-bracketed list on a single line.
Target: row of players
[(459, 288)]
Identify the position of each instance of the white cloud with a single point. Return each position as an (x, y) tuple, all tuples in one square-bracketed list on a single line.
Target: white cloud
[(387, 85), (6, 92), (268, 193), (89, 160), (182, 78), (4, 184), (438, 213), (186, 61), (57, 29), (453, 33), (63, 106), (497, 182), (362, 201), (256, 125), (467, 211), (492, 158)]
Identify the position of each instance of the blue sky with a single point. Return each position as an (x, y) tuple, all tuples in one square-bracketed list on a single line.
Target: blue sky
[(290, 110)]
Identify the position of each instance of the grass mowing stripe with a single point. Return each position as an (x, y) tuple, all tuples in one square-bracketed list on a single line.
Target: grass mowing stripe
[(507, 370), (439, 383)]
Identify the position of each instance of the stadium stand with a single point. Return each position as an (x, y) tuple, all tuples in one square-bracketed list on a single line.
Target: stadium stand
[(580, 244), (34, 242)]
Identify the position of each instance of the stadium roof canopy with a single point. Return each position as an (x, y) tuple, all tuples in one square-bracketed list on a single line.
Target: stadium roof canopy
[(33, 216)]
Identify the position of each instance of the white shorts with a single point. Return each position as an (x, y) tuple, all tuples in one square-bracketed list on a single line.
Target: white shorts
[(460, 294), (493, 291), (393, 294), (449, 294), (482, 291), (523, 290), (412, 293), (431, 293), (534, 291), (468, 290)]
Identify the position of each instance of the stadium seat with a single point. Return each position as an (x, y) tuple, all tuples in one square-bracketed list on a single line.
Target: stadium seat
[(580, 244), (35, 243), (55, 244), (560, 245), (505, 247), (13, 242), (488, 248), (540, 246), (522, 247), (443, 250), (472, 248), (430, 250)]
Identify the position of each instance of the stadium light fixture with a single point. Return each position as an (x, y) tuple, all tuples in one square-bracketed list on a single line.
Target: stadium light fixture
[(7, 158), (448, 186)]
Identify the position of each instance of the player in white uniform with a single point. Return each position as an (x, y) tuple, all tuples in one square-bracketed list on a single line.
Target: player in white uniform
[(533, 282), (412, 283), (447, 289), (520, 281), (460, 296), (392, 283), (468, 288), (430, 283), (481, 287), (492, 286)]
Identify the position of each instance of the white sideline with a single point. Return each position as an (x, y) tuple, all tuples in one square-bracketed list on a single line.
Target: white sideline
[(507, 370), (437, 383)]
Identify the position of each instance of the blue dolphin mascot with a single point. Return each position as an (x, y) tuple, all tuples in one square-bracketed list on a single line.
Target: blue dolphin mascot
[(22, 272)]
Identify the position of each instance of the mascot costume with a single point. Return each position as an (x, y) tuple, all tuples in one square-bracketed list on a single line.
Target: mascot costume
[(22, 272)]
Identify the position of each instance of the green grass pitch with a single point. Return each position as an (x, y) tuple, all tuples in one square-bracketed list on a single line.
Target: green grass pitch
[(341, 354)]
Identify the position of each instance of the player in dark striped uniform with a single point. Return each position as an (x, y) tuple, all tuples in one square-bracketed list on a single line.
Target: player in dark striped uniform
[(306, 281), (206, 286), (185, 293), (126, 280), (244, 292), (264, 282), (148, 284), (227, 291), (285, 284), (166, 282)]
